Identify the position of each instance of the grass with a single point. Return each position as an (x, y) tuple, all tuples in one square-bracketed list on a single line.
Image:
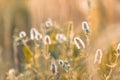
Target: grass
[(67, 56)]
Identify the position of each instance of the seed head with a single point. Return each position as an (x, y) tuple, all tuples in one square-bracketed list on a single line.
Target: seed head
[(60, 38), (49, 23), (33, 32), (38, 36), (85, 27), (60, 62), (22, 34), (98, 56), (53, 68), (47, 40), (79, 43)]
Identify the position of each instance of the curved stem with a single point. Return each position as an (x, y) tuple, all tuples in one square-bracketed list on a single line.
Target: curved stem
[(112, 67)]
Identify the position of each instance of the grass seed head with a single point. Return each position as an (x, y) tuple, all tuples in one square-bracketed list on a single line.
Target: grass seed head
[(33, 32), (79, 43), (60, 38), (60, 62), (98, 56), (85, 27), (38, 36), (49, 23), (22, 34), (53, 68), (47, 40)]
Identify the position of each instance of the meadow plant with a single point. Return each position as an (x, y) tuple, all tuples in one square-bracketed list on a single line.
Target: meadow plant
[(55, 54), (47, 40), (98, 56), (60, 38), (79, 43), (49, 23), (33, 33), (85, 27), (22, 34)]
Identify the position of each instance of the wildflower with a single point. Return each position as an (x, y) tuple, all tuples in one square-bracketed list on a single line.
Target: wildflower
[(79, 43), (33, 32), (47, 40), (53, 68), (118, 48), (38, 36), (60, 38), (85, 27), (22, 34), (48, 23), (98, 56)]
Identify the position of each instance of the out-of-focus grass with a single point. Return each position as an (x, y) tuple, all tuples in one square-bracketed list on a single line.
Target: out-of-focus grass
[(31, 63), (37, 57)]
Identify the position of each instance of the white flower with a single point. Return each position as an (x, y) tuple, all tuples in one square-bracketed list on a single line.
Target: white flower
[(53, 68), (60, 38), (85, 27), (22, 34), (118, 48), (47, 40), (48, 23), (98, 56), (79, 43)]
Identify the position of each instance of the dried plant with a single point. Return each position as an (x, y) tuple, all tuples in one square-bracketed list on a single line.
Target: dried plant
[(54, 54)]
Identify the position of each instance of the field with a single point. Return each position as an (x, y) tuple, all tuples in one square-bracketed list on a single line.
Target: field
[(60, 40)]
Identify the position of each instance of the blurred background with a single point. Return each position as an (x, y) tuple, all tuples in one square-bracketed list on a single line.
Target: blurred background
[(103, 17)]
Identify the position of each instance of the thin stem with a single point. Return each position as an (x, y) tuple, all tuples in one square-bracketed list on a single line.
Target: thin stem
[(112, 67), (34, 61)]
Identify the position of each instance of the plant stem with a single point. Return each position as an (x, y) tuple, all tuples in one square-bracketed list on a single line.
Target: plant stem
[(112, 67)]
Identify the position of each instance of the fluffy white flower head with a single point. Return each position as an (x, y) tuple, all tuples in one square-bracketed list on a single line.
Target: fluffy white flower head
[(79, 43)]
